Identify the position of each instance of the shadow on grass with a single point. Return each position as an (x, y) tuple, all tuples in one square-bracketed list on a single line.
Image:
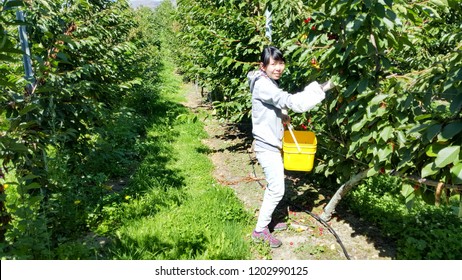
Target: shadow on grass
[(241, 131), (149, 246), (154, 176), (135, 152)]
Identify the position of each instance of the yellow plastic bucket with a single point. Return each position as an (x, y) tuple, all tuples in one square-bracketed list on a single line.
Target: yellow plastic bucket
[(299, 158)]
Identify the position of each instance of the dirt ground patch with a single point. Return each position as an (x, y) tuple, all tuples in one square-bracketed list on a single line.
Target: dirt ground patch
[(307, 238)]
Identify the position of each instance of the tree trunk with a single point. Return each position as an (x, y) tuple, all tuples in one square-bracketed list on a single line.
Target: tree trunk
[(341, 192)]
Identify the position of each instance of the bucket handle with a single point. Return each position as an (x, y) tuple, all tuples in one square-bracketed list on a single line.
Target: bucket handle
[(293, 137)]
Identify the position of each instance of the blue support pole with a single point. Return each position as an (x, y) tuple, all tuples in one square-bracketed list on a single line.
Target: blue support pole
[(26, 60), (268, 25)]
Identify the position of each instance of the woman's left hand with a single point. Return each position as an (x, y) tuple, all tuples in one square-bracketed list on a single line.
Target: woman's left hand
[(286, 119)]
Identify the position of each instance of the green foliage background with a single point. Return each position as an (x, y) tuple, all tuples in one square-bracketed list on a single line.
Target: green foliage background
[(58, 138), (396, 108), (396, 64), (89, 146)]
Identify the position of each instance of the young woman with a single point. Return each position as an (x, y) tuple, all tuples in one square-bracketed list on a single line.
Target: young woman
[(269, 112)]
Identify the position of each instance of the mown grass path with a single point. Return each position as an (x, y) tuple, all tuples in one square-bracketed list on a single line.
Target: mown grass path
[(180, 211)]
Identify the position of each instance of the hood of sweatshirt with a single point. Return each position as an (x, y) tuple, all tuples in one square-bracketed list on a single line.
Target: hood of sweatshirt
[(253, 76)]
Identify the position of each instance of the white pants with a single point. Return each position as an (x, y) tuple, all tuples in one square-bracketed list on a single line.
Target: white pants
[(273, 167)]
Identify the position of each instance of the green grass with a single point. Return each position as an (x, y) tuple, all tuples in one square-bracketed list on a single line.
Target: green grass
[(168, 206), (175, 209)]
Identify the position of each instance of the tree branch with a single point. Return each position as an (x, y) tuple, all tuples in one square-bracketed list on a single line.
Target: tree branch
[(428, 182)]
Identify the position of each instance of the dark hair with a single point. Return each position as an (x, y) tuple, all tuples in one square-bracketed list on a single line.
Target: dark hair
[(271, 52)]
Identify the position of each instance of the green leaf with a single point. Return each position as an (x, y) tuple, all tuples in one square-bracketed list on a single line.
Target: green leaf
[(17, 147), (29, 177), (357, 126), (429, 169), (372, 171), (401, 138), (388, 23), (447, 155), (432, 131), (440, 3), (8, 58), (384, 154), (421, 127), (456, 104), (407, 191), (456, 172), (423, 117), (32, 186), (386, 133), (377, 99), (11, 4), (363, 85), (63, 57), (389, 3), (428, 196), (450, 130), (28, 108), (434, 149), (356, 24)]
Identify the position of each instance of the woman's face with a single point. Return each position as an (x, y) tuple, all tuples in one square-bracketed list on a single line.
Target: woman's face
[(274, 68)]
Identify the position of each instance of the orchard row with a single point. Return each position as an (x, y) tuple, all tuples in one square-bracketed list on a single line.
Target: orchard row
[(397, 66)]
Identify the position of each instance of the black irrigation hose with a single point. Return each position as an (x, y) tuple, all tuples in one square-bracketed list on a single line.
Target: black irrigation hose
[(324, 223), (331, 230)]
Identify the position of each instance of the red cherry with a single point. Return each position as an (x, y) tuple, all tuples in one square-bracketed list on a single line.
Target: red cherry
[(332, 36)]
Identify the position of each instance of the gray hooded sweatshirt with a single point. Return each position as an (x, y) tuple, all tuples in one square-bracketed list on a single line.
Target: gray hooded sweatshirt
[(270, 103)]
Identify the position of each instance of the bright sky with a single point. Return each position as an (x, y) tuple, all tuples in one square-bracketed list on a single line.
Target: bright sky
[(147, 3)]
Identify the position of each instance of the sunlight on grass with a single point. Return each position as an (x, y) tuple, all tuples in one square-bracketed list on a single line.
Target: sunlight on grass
[(192, 217)]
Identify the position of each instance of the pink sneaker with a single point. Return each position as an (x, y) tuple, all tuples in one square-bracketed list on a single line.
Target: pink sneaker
[(274, 226), (266, 236), (280, 226)]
